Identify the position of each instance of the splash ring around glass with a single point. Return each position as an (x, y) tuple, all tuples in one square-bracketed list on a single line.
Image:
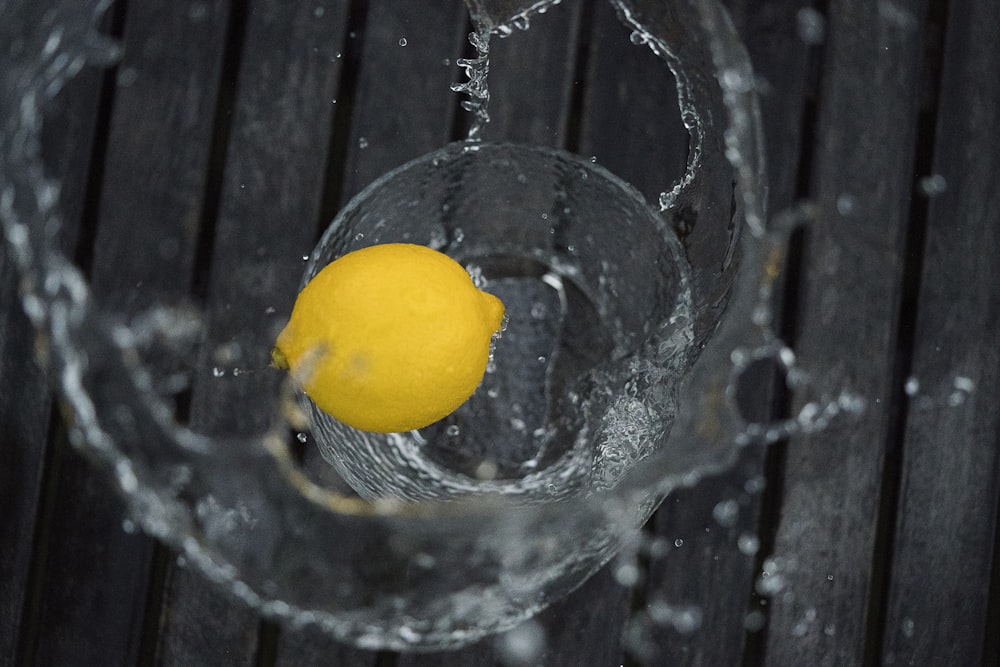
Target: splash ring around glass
[(242, 511)]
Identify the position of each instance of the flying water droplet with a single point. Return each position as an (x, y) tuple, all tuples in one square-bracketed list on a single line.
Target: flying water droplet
[(811, 26)]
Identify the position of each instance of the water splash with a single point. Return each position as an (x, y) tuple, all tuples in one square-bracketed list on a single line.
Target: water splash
[(477, 88)]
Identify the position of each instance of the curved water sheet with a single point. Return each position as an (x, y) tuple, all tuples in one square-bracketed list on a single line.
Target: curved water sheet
[(500, 16), (242, 511)]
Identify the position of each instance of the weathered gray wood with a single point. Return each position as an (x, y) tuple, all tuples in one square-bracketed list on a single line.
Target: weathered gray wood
[(947, 514), (820, 573), (92, 596), (532, 78), (310, 647), (584, 628), (714, 568), (631, 120), (25, 400), (403, 106), (271, 191)]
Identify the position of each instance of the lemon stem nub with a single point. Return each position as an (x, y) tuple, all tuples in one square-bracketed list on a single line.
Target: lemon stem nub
[(278, 359)]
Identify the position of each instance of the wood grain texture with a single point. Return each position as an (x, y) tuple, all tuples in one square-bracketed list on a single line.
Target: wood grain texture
[(947, 514), (93, 593), (820, 573), (270, 195), (403, 106), (25, 400), (714, 569), (630, 118), (532, 78)]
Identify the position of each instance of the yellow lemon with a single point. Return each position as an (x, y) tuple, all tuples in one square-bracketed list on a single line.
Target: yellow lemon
[(389, 338)]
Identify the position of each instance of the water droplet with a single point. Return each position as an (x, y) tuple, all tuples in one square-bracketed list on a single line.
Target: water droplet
[(302, 437), (453, 430), (486, 470), (679, 542), (359, 236), (965, 384), (627, 574), (726, 513), (907, 627), (197, 11), (523, 645), (755, 485), (811, 26), (846, 204), (748, 544), (424, 560), (319, 11), (218, 372), (912, 386), (362, 143), (129, 526), (754, 621), (402, 41), (933, 185), (638, 38), (127, 76)]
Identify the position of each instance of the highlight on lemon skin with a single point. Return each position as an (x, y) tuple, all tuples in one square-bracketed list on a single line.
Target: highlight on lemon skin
[(389, 338)]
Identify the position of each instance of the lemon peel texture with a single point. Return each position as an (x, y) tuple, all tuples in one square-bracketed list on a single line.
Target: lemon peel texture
[(390, 337)]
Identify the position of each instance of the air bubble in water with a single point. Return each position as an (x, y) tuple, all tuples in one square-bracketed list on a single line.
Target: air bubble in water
[(402, 41)]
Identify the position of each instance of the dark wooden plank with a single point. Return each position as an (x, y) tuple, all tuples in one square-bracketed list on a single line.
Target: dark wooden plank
[(947, 514), (271, 192), (93, 598), (531, 74), (714, 568), (26, 405), (400, 107), (403, 106), (310, 647), (625, 81), (584, 628), (532, 78), (820, 572), (25, 401)]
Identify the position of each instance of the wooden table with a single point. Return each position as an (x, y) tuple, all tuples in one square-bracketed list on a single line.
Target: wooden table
[(241, 126)]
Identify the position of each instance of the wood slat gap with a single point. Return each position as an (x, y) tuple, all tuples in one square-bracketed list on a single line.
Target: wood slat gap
[(31, 617), (913, 259), (991, 645), (341, 131), (581, 65), (113, 24), (788, 311), (461, 120), (221, 127), (153, 617)]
